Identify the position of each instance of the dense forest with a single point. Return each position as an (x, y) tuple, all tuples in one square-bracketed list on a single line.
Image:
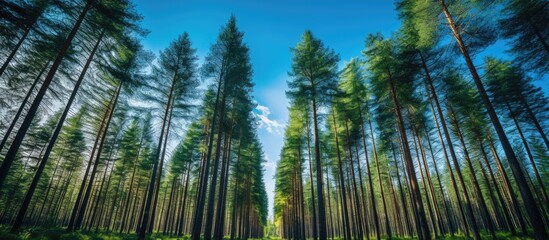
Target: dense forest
[(424, 135), (418, 136)]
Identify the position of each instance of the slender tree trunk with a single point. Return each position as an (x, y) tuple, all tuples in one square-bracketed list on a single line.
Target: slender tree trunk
[(82, 211), (22, 107), (53, 139), (356, 196), (320, 195), (347, 232), (488, 221), (223, 185), (314, 225), (106, 117), (201, 198), (16, 48), (529, 152), (161, 164), (127, 201), (25, 125), (211, 194), (184, 204), (430, 184), (529, 201), (422, 226), (402, 195), (434, 97), (446, 207), (508, 186), (151, 189)]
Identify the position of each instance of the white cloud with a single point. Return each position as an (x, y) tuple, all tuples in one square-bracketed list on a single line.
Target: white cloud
[(269, 164), (272, 126)]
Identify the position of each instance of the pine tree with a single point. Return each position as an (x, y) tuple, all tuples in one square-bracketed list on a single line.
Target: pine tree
[(313, 76)]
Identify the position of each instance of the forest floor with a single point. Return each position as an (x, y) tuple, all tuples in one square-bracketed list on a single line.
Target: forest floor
[(62, 234)]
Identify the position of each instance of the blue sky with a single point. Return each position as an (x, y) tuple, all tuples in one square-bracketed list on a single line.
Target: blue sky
[(271, 28)]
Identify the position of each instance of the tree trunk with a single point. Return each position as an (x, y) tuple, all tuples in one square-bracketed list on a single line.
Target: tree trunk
[(82, 211), (434, 97), (314, 225), (106, 117), (347, 232), (16, 48), (508, 186), (487, 220), (53, 139), (320, 195), (529, 153), (161, 164), (422, 226), (201, 198), (12, 152), (151, 189), (211, 194), (356, 196), (22, 107), (529, 201)]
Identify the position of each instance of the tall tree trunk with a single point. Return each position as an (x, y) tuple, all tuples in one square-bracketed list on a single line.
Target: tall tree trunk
[(430, 184), (106, 117), (529, 201), (446, 207), (161, 165), (508, 186), (184, 204), (151, 189), (320, 195), (82, 211), (487, 219), (529, 152), (402, 196), (53, 139), (211, 194), (22, 107), (314, 225), (450, 145), (127, 201), (18, 44), (424, 180), (347, 232), (355, 191), (201, 198), (25, 125), (422, 226), (223, 185)]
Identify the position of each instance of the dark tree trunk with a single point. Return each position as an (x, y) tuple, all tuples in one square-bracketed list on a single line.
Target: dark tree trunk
[(21, 107), (151, 189), (529, 201), (314, 225), (213, 184), (106, 117), (12, 152), (320, 195), (201, 198), (82, 211), (422, 226), (347, 226), (53, 139)]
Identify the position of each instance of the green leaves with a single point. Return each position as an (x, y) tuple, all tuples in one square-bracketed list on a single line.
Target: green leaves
[(314, 70)]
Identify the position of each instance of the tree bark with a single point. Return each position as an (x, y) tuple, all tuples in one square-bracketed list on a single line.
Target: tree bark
[(529, 201), (14, 148), (422, 226)]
